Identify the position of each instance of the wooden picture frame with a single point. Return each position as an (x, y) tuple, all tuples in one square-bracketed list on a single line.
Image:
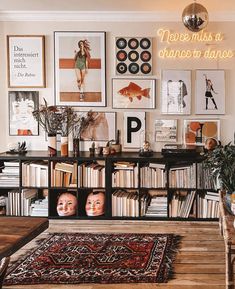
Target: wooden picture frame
[(176, 92), (80, 68), (21, 106), (134, 93), (26, 61), (210, 92), (197, 131)]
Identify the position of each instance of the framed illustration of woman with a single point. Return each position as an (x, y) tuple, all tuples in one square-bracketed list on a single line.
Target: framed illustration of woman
[(80, 68)]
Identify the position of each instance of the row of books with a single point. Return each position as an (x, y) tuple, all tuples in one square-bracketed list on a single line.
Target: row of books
[(125, 174), (9, 176), (153, 176), (92, 174), (35, 174), (205, 179), (208, 205), (125, 203), (183, 176), (157, 206), (181, 204), (64, 174), (25, 203)]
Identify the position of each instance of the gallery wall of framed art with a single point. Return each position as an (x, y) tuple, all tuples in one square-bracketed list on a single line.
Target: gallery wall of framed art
[(172, 92)]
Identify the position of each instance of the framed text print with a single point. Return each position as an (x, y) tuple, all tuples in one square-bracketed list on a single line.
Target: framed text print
[(26, 60), (80, 68), (176, 92), (134, 125), (21, 107), (133, 56), (210, 92), (134, 93), (196, 132)]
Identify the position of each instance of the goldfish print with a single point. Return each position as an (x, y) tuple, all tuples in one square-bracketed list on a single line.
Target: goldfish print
[(133, 90)]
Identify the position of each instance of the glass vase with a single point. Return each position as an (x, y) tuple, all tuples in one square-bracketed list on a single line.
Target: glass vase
[(64, 146), (52, 151)]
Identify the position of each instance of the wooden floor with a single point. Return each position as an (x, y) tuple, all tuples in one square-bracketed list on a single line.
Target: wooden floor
[(200, 262)]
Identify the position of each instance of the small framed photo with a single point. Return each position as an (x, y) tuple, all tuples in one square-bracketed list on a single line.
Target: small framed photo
[(210, 92), (196, 132), (21, 106), (102, 126), (176, 92), (166, 130), (134, 93), (134, 126), (133, 56), (80, 68), (26, 61)]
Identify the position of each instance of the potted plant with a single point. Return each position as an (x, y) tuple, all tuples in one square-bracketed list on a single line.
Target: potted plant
[(49, 118), (221, 162)]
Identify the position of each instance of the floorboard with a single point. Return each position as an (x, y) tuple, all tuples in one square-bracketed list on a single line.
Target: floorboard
[(199, 264)]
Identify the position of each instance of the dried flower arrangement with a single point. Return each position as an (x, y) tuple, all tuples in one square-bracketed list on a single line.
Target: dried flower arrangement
[(82, 122), (49, 118)]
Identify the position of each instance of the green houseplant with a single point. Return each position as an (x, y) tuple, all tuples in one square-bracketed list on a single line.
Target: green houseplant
[(221, 162)]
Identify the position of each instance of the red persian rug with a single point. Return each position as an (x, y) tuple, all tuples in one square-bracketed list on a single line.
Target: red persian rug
[(96, 258)]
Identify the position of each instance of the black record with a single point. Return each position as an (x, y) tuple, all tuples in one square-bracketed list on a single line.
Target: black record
[(133, 55), (133, 68), (121, 68), (121, 55), (145, 56), (145, 68), (133, 43), (121, 43), (145, 43)]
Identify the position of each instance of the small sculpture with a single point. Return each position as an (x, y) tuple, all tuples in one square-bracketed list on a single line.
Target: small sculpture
[(20, 149), (145, 150), (95, 204)]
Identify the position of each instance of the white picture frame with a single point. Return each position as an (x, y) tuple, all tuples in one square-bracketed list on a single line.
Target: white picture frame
[(80, 82), (134, 93), (176, 92), (134, 126), (210, 92), (197, 131), (26, 61), (165, 130)]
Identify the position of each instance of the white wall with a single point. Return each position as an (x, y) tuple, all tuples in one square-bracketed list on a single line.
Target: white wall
[(121, 29)]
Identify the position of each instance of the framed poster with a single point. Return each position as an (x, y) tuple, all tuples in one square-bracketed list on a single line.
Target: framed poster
[(134, 93), (134, 126), (26, 60), (210, 92), (196, 132), (176, 92), (166, 130), (101, 127), (80, 68), (21, 106), (133, 55)]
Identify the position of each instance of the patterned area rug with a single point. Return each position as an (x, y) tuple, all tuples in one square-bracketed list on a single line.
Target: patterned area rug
[(96, 258)]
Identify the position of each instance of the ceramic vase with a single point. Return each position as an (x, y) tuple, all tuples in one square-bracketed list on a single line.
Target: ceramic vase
[(64, 146), (52, 151)]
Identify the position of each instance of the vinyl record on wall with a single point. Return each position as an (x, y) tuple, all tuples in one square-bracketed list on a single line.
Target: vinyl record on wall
[(133, 56), (121, 68)]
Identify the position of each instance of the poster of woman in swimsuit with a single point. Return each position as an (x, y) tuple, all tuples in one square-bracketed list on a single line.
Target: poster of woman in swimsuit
[(80, 68)]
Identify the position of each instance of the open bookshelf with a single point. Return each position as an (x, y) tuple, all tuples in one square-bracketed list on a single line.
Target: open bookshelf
[(121, 186)]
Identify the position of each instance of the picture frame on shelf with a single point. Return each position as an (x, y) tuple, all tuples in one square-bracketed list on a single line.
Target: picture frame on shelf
[(176, 92), (80, 68), (133, 56), (134, 93), (26, 61), (101, 128), (197, 131), (166, 130), (134, 126), (21, 106), (210, 92)]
